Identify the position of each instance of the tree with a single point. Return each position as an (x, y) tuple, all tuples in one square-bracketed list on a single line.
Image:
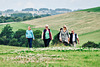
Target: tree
[(4, 40), (37, 34), (23, 41), (7, 31), (25, 18), (1, 41), (21, 14), (13, 42), (19, 33), (37, 17), (27, 9), (18, 19), (1, 21)]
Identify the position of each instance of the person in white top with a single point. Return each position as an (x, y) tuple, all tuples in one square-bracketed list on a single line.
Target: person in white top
[(73, 38)]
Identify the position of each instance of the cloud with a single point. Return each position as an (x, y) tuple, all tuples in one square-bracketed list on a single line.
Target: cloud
[(29, 5), (73, 1)]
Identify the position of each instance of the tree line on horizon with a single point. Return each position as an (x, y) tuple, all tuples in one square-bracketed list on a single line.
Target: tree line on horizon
[(17, 17)]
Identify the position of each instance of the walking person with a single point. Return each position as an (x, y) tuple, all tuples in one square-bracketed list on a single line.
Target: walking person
[(64, 36), (30, 36), (73, 38), (46, 36), (59, 34)]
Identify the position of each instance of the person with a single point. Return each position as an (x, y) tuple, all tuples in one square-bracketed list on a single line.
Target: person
[(30, 36), (46, 35), (73, 38), (59, 34), (64, 36)]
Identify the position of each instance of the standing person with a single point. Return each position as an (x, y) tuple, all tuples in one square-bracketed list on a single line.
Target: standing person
[(46, 36), (30, 36), (64, 35), (73, 38)]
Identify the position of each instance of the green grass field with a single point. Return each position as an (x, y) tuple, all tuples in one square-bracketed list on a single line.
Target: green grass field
[(91, 36), (46, 57)]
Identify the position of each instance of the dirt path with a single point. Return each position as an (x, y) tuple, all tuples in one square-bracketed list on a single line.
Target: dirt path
[(7, 23)]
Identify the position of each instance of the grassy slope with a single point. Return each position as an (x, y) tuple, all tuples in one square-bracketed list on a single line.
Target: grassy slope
[(16, 26), (91, 36), (21, 57), (96, 9), (81, 22)]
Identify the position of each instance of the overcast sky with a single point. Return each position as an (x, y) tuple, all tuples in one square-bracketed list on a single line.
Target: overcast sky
[(71, 4)]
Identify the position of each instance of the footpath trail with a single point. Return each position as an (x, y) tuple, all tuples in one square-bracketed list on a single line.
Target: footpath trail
[(6, 23)]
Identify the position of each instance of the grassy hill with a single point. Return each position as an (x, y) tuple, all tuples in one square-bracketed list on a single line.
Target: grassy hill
[(91, 36), (96, 9), (81, 22), (48, 57), (85, 23)]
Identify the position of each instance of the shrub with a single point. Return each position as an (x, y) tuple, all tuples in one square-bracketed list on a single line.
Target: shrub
[(56, 39), (90, 44), (4, 40), (7, 31), (19, 33), (1, 41), (37, 34), (13, 42), (23, 41), (38, 43)]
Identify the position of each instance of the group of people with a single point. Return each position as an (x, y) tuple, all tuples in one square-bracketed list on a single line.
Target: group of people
[(64, 36)]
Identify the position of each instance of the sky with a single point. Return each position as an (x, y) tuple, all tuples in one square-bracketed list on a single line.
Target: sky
[(51, 4)]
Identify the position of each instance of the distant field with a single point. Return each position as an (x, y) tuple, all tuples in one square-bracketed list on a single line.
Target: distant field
[(46, 57)]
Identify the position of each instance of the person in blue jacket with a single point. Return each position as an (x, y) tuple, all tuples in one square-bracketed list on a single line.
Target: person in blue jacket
[(30, 36)]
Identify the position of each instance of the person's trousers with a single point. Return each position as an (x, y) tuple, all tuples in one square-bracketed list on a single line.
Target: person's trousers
[(65, 43), (46, 42), (74, 44), (30, 42)]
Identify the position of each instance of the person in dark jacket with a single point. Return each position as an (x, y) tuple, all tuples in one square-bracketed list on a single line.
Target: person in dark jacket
[(46, 36), (59, 34), (73, 38)]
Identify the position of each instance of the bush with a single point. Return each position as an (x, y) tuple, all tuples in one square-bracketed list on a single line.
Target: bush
[(37, 34), (14, 42), (1, 41), (38, 43), (90, 44), (5, 40), (19, 33), (18, 38), (56, 39), (23, 41), (7, 31)]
